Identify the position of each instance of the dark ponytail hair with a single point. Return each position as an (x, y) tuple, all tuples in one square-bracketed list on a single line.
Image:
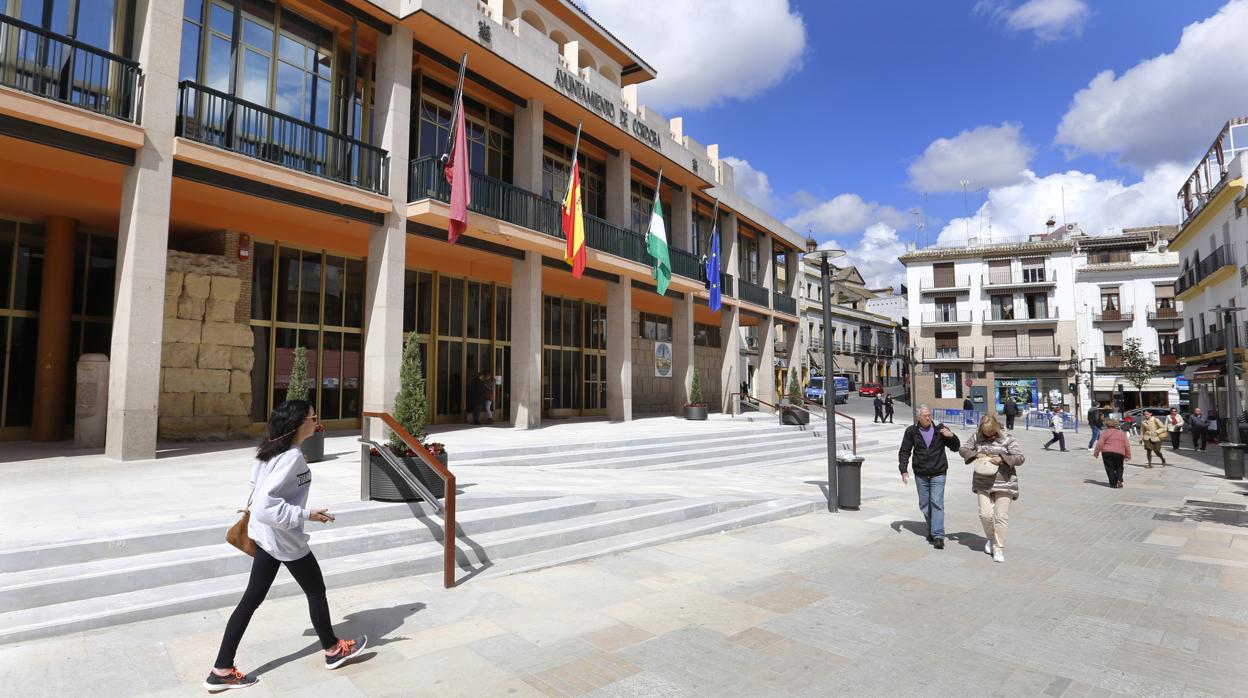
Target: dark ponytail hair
[(280, 432)]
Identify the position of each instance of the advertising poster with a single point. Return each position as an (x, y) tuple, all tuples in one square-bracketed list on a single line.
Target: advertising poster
[(663, 359), (948, 385), (1024, 391)]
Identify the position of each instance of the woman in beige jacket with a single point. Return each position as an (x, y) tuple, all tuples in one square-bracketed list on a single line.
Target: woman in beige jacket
[(994, 492), (1152, 433)]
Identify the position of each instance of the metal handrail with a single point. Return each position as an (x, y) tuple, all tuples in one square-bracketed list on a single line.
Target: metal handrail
[(853, 423), (448, 478)]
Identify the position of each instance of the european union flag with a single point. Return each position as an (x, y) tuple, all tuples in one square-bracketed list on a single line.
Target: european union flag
[(712, 270)]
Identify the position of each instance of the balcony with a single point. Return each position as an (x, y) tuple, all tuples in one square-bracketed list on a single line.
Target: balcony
[(1168, 316), (1207, 180), (1026, 278), (1221, 258), (863, 349), (946, 285), (59, 68), (726, 287), (1190, 348), (1113, 316), (1112, 361), (215, 118), (1026, 352), (784, 303), (948, 354), (753, 293), (946, 319), (996, 316), (1168, 361)]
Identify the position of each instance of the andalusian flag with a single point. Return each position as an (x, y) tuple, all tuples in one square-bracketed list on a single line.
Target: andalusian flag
[(656, 245), (574, 224)]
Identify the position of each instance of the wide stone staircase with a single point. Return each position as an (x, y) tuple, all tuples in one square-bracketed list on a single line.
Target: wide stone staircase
[(65, 586)]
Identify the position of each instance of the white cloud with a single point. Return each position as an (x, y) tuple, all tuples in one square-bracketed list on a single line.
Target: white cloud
[(845, 213), (746, 47), (1168, 107), (1098, 206), (752, 184), (1049, 20), (875, 256), (987, 156)]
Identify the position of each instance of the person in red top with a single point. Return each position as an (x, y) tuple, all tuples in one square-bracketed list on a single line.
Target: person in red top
[(1114, 448)]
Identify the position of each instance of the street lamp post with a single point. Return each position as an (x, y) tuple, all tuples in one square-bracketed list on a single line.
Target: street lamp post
[(825, 274), (1232, 394)]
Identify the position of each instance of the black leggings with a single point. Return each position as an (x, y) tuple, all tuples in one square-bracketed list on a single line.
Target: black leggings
[(1113, 467), (306, 572)]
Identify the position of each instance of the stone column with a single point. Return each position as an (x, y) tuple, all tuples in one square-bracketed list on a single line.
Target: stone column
[(619, 189), (387, 243), (795, 346), (619, 350), (681, 235), (526, 341), (52, 350), (682, 351), (765, 381), (766, 267), (527, 163), (143, 240), (730, 316)]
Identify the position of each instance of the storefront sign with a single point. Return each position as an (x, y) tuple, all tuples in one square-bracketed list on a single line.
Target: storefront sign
[(606, 108), (663, 359), (1025, 391), (948, 385)]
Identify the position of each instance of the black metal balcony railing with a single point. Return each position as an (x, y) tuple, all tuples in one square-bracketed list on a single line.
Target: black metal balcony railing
[(949, 353), (1190, 347), (884, 350), (726, 286), (863, 349), (946, 318), (945, 282), (684, 263), (1113, 316), (218, 119), (1027, 351), (784, 303), (1221, 257), (1164, 313), (1011, 315), (753, 293), (1026, 276), (57, 67)]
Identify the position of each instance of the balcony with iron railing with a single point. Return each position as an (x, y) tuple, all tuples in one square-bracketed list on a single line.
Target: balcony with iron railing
[(56, 67), (1011, 315), (784, 303), (946, 318), (1036, 276), (1025, 352), (1191, 347), (753, 293), (949, 283), (1111, 316), (960, 353), (215, 118), (1221, 257), (1165, 314), (1209, 175)]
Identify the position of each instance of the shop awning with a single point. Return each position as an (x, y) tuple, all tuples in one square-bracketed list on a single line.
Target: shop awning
[(1108, 384), (1209, 372)]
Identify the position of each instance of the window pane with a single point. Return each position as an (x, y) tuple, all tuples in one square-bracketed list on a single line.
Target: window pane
[(310, 289), (288, 286), (457, 308), (255, 77), (260, 375), (474, 310), (354, 310), (193, 9), (29, 282), (188, 66), (351, 374), (262, 281), (291, 51), (101, 275), (331, 375), (8, 243), (409, 300), (289, 93), (258, 35), (218, 76), (333, 290), (25, 332), (221, 19), (424, 301)]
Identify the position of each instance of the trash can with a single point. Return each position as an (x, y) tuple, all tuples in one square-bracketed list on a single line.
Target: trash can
[(848, 481), (1233, 461)]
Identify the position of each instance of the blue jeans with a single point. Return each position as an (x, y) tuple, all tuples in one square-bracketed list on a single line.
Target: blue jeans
[(1096, 433), (932, 503)]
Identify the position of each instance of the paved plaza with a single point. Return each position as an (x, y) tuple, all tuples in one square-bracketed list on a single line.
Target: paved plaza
[(1138, 591)]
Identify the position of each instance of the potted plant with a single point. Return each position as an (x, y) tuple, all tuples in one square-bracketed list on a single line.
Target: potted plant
[(313, 447), (695, 408), (791, 411), (411, 412)]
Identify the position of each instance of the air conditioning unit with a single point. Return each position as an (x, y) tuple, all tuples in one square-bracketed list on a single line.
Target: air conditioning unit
[(1071, 227)]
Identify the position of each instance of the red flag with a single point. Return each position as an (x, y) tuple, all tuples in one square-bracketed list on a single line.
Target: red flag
[(574, 224), (456, 172)]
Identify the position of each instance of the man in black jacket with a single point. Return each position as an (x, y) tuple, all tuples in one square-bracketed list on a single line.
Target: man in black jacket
[(879, 408), (1010, 408), (923, 446)]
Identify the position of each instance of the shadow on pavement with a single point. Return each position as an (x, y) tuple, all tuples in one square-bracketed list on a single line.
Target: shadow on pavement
[(1096, 482), (918, 528), (973, 541), (376, 623)]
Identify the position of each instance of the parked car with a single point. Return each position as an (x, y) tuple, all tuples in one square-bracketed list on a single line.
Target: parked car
[(816, 390), (869, 389), (1131, 419)]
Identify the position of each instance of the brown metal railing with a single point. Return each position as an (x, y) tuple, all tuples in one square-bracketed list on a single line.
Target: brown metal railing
[(448, 478), (853, 423)]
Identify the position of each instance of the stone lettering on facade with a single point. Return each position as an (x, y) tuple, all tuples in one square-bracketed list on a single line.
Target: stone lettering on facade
[(605, 107)]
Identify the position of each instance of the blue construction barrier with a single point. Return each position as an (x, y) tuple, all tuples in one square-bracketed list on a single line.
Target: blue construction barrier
[(1040, 420), (961, 419)]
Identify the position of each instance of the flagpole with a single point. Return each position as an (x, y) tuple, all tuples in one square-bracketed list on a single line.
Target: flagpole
[(455, 106), (658, 183), (576, 149)]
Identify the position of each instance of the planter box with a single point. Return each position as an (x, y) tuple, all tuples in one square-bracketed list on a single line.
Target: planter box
[(794, 417), (695, 412), (313, 447), (385, 485)]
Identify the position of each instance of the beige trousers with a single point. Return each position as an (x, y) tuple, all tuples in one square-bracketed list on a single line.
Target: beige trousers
[(994, 514)]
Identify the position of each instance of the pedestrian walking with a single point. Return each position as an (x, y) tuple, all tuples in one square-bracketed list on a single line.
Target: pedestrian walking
[(487, 396), (1174, 426), (1114, 448), (476, 398), (1011, 411), (280, 480), (1152, 432), (1199, 424), (1058, 428), (879, 408), (1095, 420), (923, 449), (888, 409), (995, 483)]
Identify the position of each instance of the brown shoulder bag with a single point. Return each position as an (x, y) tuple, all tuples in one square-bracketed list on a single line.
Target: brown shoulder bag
[(237, 535)]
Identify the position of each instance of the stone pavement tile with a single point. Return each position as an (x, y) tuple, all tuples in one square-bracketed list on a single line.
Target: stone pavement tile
[(551, 624), (652, 620), (581, 675), (786, 598), (616, 637), (582, 585), (1078, 648), (671, 580), (456, 671), (769, 535), (834, 625), (520, 657), (700, 609), (1168, 541), (696, 660), (641, 685), (428, 641), (69, 666), (631, 567)]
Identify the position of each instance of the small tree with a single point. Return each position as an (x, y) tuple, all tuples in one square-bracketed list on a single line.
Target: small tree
[(297, 388), (1137, 367), (409, 404), (695, 391), (795, 391)]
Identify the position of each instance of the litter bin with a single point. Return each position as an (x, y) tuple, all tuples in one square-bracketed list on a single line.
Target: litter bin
[(848, 481), (1233, 461)]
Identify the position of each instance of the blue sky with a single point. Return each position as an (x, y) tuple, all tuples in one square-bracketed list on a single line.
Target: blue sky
[(871, 86)]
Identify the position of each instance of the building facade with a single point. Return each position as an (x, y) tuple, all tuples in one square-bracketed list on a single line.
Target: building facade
[(1212, 244), (275, 184)]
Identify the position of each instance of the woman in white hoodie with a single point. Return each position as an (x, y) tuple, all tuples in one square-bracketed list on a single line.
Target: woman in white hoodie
[(280, 480)]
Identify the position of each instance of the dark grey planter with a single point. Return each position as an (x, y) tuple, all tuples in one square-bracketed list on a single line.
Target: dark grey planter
[(386, 485), (695, 412), (794, 417), (313, 447)]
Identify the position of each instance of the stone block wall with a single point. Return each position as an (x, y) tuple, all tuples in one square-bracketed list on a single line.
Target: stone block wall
[(651, 394), (207, 356), (708, 360)]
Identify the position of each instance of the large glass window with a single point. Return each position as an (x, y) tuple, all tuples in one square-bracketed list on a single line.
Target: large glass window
[(642, 205), (574, 355), (557, 172), (491, 148)]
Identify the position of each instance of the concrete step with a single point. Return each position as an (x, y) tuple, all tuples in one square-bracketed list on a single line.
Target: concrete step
[(727, 451)]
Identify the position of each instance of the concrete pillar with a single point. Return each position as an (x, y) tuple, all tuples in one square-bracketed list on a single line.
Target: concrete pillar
[(766, 267), (143, 240), (619, 350), (765, 380), (682, 220), (682, 351), (526, 341), (793, 272), (620, 189), (729, 364), (387, 243), (572, 54), (795, 347), (52, 349), (527, 164)]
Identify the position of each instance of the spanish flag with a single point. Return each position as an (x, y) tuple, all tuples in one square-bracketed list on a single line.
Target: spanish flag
[(574, 224)]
